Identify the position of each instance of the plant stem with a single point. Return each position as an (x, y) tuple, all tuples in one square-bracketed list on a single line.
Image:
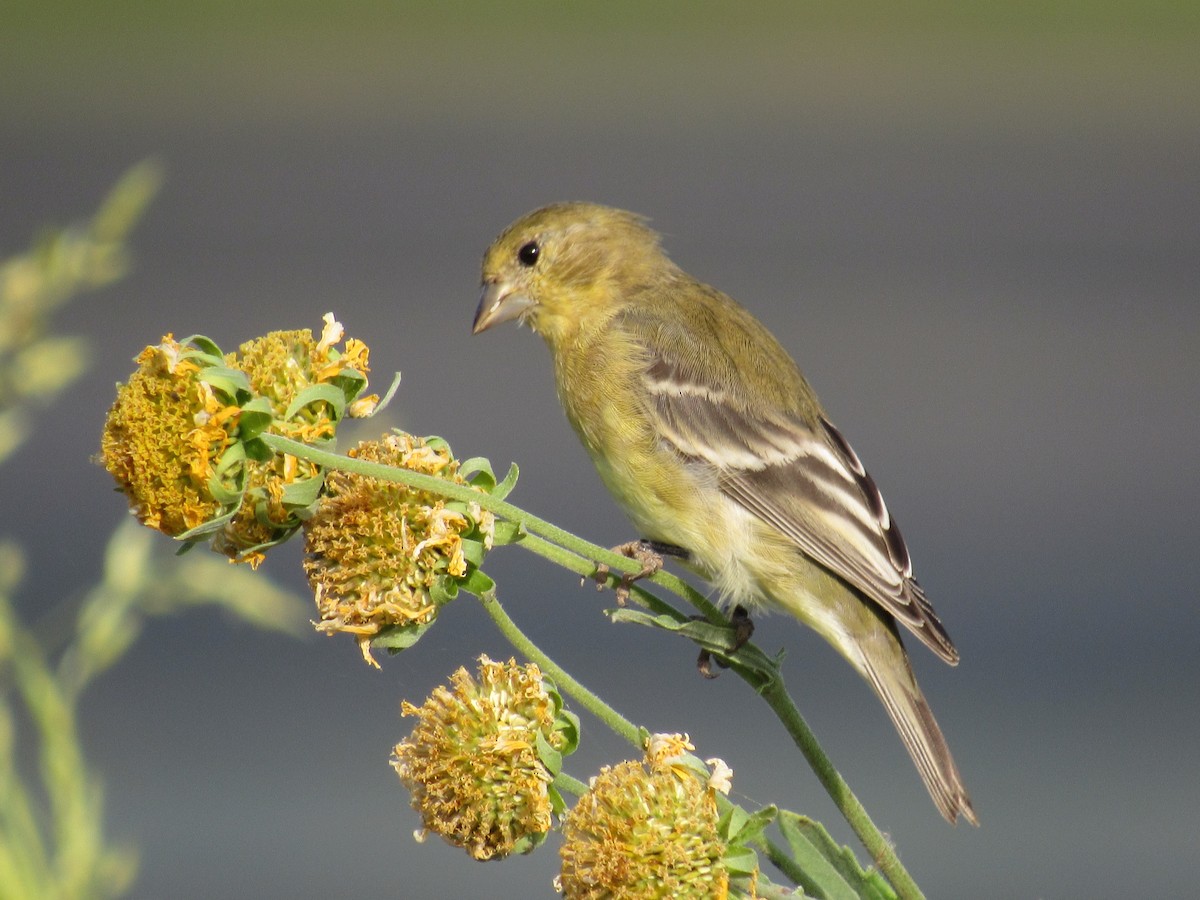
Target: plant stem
[(562, 679), (873, 840), (585, 566), (464, 493), (570, 784), (526, 521), (579, 555)]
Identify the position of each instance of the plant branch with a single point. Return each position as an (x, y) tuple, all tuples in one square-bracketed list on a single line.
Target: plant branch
[(570, 784), (578, 555), (877, 845), (525, 521), (560, 676)]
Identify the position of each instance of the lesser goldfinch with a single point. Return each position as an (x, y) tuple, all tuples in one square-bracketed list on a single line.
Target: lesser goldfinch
[(708, 436)]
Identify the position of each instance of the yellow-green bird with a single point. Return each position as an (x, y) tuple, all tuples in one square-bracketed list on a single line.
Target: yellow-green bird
[(705, 432)]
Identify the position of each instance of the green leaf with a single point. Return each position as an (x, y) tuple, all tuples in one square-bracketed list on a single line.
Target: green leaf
[(304, 492), (227, 481), (257, 450), (553, 693), (350, 382), (693, 764), (637, 617), (718, 639), (204, 529), (207, 346), (739, 827), (831, 871), (318, 393), (503, 489), (192, 535), (478, 583), (551, 758), (558, 805), (529, 842), (443, 590), (473, 551), (507, 533), (228, 381), (256, 416), (478, 471), (566, 723), (387, 397), (400, 637), (731, 822), (282, 533), (741, 861)]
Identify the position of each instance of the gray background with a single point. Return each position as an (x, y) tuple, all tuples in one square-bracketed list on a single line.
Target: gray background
[(977, 233)]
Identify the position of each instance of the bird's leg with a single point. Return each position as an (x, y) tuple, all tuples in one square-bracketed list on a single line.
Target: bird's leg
[(743, 628), (648, 553)]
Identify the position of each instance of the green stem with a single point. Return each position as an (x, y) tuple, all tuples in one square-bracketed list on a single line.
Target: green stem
[(579, 556), (571, 785), (609, 716), (463, 493), (562, 679), (876, 844), (782, 860), (526, 521), (512, 632), (585, 567), (73, 813)]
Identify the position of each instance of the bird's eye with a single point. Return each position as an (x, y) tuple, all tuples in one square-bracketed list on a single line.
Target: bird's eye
[(528, 254)]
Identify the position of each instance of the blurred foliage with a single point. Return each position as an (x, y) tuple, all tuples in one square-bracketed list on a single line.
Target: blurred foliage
[(35, 366), (52, 842)]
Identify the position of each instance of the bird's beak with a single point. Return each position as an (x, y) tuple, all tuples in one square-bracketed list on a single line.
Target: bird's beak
[(499, 302)]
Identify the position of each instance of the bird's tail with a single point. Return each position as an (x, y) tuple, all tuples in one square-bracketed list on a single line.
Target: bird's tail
[(887, 669)]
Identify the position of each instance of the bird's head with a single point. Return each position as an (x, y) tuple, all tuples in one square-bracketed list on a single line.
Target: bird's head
[(561, 266)]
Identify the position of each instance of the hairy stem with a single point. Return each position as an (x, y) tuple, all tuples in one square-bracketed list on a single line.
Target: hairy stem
[(561, 678), (580, 556)]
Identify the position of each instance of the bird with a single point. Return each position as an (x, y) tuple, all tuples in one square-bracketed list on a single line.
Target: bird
[(710, 439)]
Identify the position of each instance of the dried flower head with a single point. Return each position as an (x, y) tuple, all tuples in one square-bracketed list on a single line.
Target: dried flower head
[(483, 754), (379, 553), (163, 438), (183, 438), (286, 366), (306, 385), (646, 830)]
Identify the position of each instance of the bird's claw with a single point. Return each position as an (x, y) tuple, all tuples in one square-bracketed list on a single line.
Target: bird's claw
[(643, 552), (743, 628)]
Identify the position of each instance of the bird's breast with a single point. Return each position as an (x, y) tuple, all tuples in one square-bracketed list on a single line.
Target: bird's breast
[(668, 498)]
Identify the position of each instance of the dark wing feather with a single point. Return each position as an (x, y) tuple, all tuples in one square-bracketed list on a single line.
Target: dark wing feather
[(804, 480)]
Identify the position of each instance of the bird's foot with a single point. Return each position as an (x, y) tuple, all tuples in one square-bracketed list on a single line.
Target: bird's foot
[(648, 553), (743, 628)]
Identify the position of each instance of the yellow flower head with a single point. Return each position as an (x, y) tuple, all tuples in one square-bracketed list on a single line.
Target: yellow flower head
[(481, 759), (284, 365), (306, 384), (163, 436), (378, 553), (183, 439), (645, 830)]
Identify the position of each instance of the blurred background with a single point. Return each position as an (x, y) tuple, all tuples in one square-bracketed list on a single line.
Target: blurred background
[(974, 225)]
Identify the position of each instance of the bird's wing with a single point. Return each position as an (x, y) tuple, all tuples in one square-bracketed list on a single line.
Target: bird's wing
[(804, 479)]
